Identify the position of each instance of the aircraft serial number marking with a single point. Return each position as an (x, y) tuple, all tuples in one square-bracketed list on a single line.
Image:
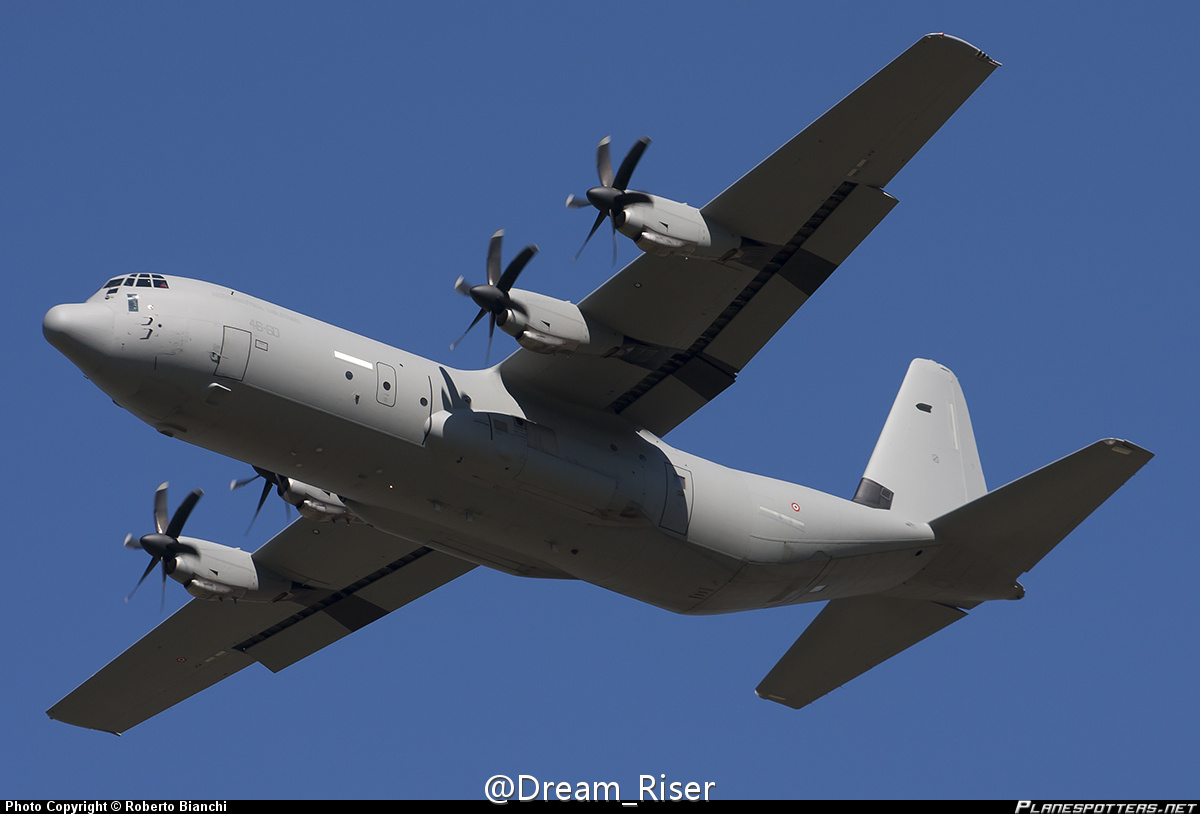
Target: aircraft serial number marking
[(262, 327)]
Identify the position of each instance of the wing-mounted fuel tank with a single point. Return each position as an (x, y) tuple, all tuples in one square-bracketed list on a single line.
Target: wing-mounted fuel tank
[(510, 452), (548, 325)]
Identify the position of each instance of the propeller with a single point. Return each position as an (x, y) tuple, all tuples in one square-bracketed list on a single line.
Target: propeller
[(492, 297), (612, 195), (163, 545), (270, 479)]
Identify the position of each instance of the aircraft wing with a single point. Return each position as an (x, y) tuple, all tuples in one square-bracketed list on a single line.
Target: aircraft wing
[(691, 324), (357, 574)]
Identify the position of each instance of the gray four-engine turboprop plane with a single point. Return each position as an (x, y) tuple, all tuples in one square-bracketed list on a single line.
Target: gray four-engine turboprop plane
[(408, 473)]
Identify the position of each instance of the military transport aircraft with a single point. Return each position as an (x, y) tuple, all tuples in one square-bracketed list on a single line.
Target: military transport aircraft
[(408, 473)]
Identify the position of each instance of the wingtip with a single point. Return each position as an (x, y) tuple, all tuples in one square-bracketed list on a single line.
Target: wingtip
[(1123, 447), (941, 35)]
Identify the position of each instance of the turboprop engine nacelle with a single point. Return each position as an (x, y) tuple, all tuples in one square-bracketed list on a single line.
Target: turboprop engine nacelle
[(220, 572), (548, 325), (315, 503), (665, 227)]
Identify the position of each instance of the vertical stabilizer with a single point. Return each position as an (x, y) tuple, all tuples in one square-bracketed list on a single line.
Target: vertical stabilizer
[(925, 463)]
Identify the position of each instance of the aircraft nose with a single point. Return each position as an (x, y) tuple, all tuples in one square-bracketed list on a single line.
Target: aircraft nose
[(82, 332)]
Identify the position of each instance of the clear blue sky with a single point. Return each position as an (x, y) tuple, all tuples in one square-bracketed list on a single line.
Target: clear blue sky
[(350, 162)]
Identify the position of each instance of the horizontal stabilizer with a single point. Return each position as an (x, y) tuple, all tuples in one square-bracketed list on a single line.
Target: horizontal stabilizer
[(1010, 529), (849, 637)]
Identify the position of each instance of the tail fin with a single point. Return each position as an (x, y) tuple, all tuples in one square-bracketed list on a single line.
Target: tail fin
[(925, 463)]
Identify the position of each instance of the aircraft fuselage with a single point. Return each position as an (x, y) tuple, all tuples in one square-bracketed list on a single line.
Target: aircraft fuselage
[(453, 460)]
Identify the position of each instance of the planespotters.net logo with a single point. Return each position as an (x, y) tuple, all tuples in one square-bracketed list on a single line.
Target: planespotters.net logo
[(1033, 807)]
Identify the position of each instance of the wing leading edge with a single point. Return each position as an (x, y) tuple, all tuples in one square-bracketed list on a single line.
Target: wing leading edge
[(690, 325), (204, 642)]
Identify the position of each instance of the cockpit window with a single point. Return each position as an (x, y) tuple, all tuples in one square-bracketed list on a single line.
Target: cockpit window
[(142, 280)]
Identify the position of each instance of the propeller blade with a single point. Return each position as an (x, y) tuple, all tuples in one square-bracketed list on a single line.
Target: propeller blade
[(631, 160), (164, 542), (181, 514), (271, 479), (492, 297), (160, 508), (577, 203), (610, 196), (474, 322), (595, 226), (493, 258), (234, 485), (146, 573), (604, 162), (514, 268), (262, 499)]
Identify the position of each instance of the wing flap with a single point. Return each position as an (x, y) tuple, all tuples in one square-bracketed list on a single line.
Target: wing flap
[(849, 637), (788, 283), (371, 598), (204, 642)]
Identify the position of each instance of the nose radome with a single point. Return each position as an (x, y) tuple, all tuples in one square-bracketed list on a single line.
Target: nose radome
[(82, 332)]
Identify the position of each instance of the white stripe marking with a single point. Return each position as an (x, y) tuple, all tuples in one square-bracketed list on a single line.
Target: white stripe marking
[(354, 360)]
